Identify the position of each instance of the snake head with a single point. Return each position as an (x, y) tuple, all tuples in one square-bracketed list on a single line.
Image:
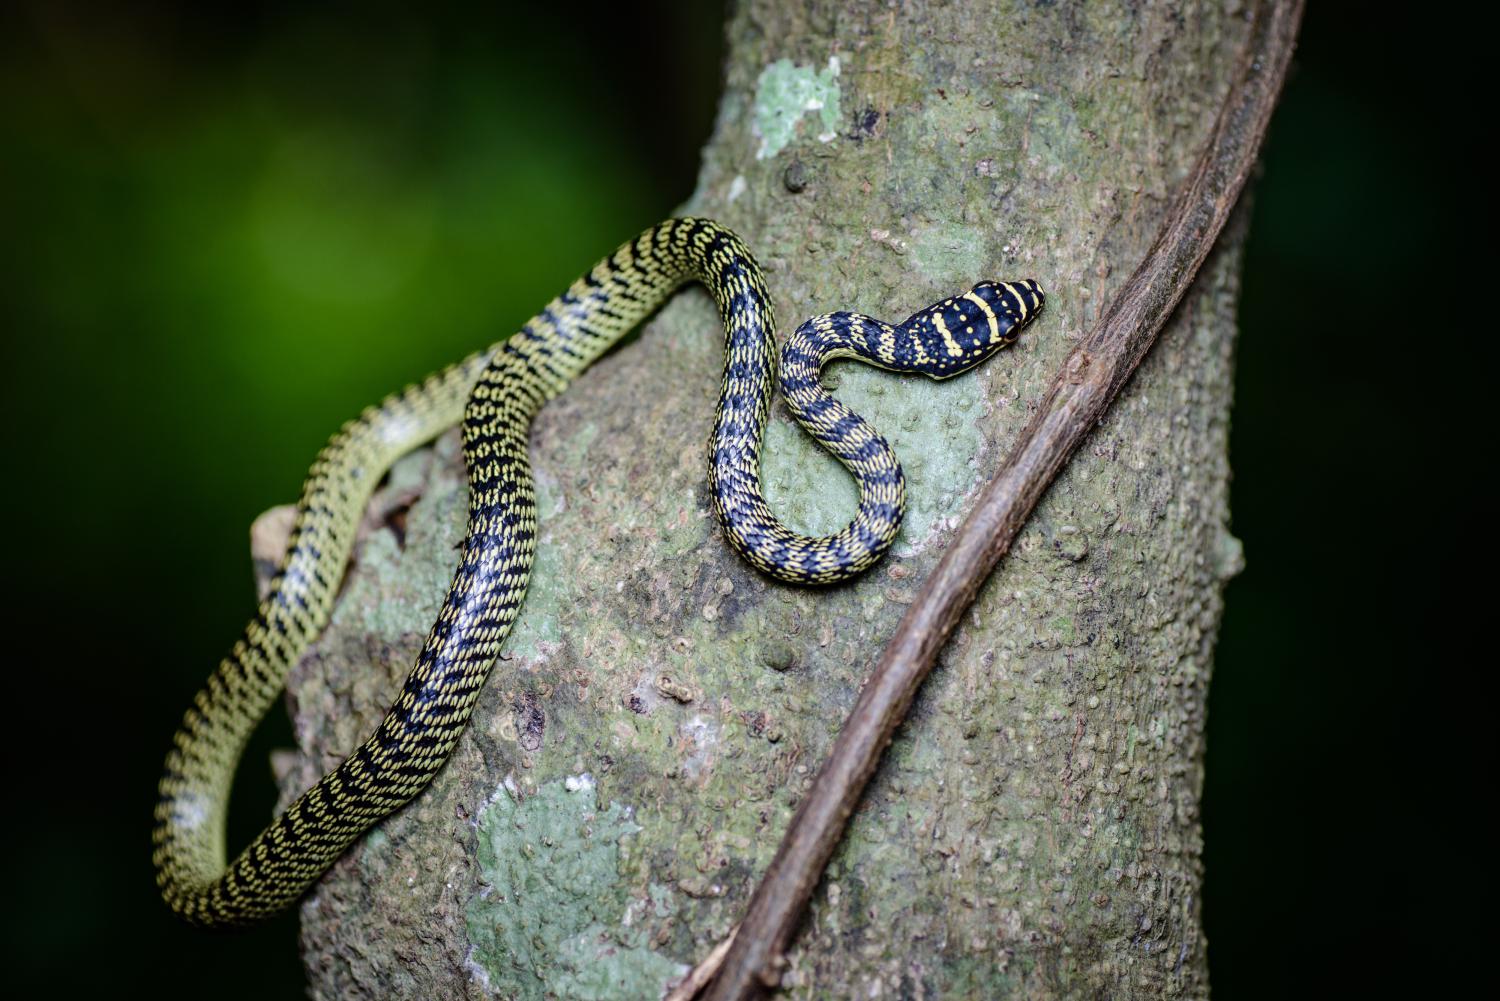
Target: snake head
[(959, 333)]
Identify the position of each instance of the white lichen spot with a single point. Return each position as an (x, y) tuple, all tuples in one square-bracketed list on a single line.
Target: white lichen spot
[(477, 971), (190, 811), (704, 736), (579, 783), (785, 93), (736, 187)]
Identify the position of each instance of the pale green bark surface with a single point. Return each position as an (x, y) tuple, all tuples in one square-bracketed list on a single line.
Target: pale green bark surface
[(1033, 831)]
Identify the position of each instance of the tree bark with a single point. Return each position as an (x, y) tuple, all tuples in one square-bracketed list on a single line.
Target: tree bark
[(1033, 830)]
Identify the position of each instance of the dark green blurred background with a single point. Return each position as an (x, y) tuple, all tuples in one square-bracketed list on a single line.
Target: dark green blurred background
[(267, 221)]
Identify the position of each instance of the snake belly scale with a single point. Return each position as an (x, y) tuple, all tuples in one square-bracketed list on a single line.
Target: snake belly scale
[(495, 394)]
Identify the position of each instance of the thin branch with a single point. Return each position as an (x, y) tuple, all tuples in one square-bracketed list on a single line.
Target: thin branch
[(1090, 378)]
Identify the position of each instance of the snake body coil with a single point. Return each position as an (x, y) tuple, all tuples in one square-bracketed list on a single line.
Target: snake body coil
[(496, 394)]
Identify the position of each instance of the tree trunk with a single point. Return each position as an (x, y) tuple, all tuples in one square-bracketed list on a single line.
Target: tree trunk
[(1033, 831)]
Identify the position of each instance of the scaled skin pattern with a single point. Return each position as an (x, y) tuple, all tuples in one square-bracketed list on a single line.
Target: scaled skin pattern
[(496, 395)]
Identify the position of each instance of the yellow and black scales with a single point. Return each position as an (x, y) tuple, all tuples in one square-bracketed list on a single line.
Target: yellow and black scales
[(496, 394)]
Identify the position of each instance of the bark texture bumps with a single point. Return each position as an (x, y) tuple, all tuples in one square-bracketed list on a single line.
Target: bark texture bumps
[(1033, 831)]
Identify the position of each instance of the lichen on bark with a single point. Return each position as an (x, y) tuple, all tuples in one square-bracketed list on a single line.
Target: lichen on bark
[(1033, 830), (551, 917)]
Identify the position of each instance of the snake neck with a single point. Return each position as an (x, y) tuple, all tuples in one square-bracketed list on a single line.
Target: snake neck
[(754, 530)]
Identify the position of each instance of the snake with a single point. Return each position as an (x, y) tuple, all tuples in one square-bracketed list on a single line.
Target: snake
[(494, 394)]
